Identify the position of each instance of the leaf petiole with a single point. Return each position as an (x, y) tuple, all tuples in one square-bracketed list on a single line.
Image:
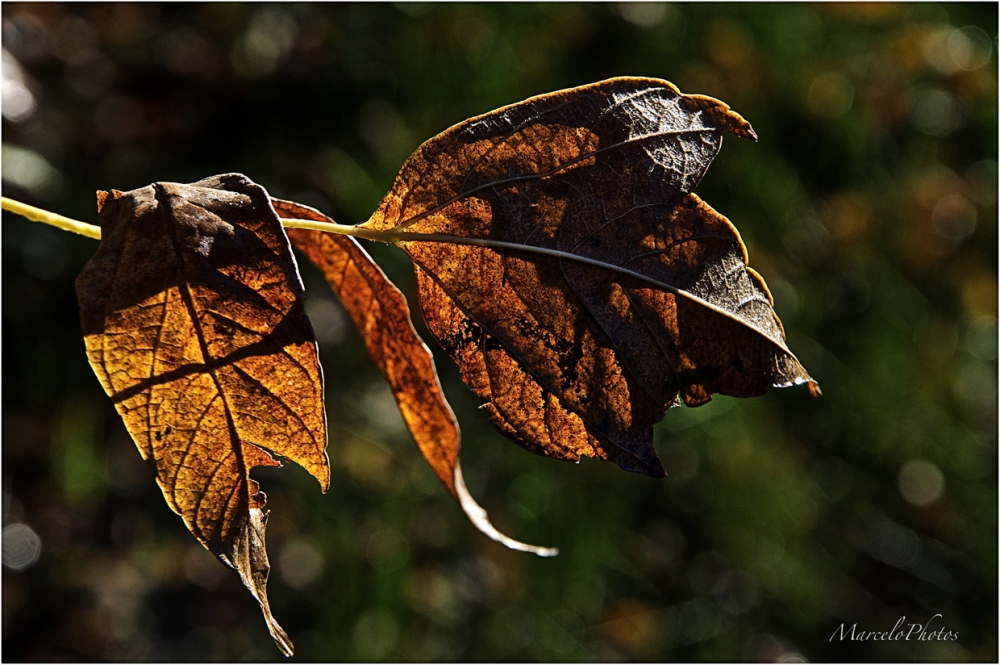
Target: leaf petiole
[(389, 236), (91, 231), (51, 218)]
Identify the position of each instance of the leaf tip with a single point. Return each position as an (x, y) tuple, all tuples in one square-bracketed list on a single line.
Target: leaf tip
[(324, 477), (723, 116), (281, 639), (735, 123), (481, 520)]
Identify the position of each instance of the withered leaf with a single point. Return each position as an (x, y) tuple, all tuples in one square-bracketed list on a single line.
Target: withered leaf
[(194, 324), (382, 317), (564, 264)]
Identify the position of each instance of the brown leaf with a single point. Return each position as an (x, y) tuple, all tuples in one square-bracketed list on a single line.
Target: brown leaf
[(382, 317), (565, 265), (193, 321)]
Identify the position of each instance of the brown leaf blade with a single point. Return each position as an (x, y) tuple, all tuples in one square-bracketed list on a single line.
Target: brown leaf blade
[(565, 264), (193, 322), (381, 315)]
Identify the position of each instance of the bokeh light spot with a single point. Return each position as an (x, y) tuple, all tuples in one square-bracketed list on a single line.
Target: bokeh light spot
[(981, 338), (381, 411), (635, 626), (301, 563), (375, 635), (387, 550), (936, 51), (367, 462), (18, 103), (982, 180), (430, 592), (328, 320), (642, 14), (30, 171), (894, 544), (921, 482), (21, 546), (270, 36), (739, 593), (706, 572), (954, 217), (26, 36), (975, 385), (766, 648), (935, 112), (528, 496), (184, 51), (585, 596), (699, 620), (74, 41), (970, 48)]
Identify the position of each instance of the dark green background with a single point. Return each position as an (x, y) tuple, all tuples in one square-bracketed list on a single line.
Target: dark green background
[(869, 206)]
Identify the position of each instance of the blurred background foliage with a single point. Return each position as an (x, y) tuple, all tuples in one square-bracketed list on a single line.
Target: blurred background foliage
[(869, 205)]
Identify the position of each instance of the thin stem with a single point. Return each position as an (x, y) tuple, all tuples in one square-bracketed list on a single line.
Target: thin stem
[(51, 218), (91, 231), (389, 236)]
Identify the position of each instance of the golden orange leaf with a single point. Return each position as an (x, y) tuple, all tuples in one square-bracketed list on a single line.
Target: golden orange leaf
[(193, 322), (382, 317)]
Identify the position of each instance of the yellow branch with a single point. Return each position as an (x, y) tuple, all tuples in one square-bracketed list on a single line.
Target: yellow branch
[(91, 231), (342, 229), (46, 217)]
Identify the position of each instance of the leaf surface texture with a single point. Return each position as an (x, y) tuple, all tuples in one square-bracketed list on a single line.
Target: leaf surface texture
[(564, 263), (194, 324)]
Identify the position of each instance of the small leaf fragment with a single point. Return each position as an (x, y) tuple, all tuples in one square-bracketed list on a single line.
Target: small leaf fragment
[(249, 558), (382, 317), (194, 324)]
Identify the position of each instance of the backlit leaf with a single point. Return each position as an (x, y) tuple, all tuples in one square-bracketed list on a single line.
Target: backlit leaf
[(194, 324), (565, 265), (382, 317)]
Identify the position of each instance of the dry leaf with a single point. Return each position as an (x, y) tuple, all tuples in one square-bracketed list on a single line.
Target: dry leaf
[(562, 260), (193, 321), (565, 265), (382, 317)]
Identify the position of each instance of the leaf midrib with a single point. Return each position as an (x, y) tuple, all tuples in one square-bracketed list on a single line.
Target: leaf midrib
[(188, 298), (499, 245)]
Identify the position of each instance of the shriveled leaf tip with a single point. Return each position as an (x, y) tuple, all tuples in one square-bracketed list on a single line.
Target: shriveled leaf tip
[(382, 317)]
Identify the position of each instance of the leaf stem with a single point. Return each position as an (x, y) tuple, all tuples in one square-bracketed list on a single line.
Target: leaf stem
[(51, 218), (92, 231), (343, 230)]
